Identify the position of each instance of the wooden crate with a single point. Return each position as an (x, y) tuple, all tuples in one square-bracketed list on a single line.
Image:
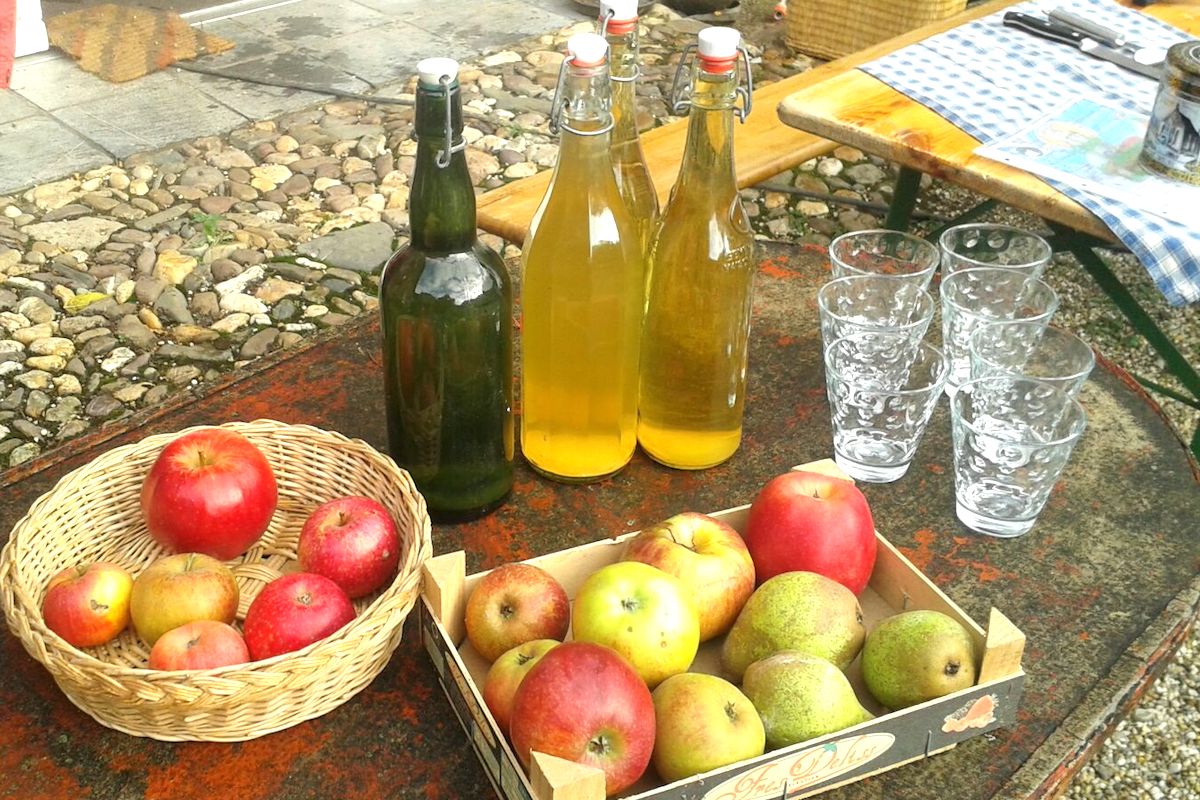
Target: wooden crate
[(800, 770)]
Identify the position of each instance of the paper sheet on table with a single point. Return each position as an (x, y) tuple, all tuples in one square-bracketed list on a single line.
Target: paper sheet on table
[(1094, 145)]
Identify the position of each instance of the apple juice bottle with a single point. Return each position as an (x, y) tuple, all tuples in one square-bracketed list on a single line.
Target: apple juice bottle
[(583, 291), (446, 303), (619, 25), (699, 270)]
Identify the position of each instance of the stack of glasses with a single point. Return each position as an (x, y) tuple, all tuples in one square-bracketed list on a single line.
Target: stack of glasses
[(1011, 379)]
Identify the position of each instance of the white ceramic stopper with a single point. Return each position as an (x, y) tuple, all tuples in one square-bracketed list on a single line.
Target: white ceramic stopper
[(719, 42), (621, 9), (587, 49), (431, 70)]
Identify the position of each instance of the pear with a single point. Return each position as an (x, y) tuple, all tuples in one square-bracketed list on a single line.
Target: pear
[(916, 656), (795, 611), (800, 697)]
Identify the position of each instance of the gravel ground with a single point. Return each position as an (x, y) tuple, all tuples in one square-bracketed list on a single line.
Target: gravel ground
[(141, 279)]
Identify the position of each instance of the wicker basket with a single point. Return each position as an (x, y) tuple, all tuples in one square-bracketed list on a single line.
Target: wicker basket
[(834, 28), (93, 514)]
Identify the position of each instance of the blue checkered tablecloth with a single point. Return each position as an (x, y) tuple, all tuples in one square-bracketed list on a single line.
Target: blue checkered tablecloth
[(991, 81)]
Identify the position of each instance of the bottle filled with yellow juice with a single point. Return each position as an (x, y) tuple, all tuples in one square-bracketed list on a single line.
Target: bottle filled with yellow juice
[(619, 25), (583, 291), (700, 268)]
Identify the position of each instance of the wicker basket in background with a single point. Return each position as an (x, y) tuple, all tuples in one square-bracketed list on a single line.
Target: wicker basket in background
[(93, 514), (834, 28)]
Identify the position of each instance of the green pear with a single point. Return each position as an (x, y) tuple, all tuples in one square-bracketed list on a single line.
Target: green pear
[(916, 656), (800, 697), (795, 611)]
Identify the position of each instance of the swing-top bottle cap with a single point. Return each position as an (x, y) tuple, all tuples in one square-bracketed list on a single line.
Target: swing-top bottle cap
[(430, 71), (718, 47), (587, 49), (621, 10)]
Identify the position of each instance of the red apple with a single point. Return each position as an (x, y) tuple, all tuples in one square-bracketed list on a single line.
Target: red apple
[(585, 703), (88, 605), (179, 589), (514, 604), (353, 542), (708, 556), (806, 521), (210, 491), (505, 676), (293, 612), (203, 644)]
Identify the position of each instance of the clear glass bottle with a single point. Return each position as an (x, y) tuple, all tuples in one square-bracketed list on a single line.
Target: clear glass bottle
[(700, 268), (619, 25), (582, 291), (446, 304)]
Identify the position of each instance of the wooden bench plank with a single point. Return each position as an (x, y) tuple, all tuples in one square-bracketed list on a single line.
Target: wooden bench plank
[(763, 147)]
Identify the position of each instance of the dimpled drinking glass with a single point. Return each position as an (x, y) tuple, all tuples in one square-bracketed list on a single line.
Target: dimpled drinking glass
[(975, 297), (882, 392), (873, 303), (1031, 350), (984, 245), (883, 252), (1012, 439)]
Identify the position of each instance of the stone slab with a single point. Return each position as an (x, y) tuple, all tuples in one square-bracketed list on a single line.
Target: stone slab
[(154, 111), (498, 22), (311, 23), (14, 106), (38, 149), (387, 53)]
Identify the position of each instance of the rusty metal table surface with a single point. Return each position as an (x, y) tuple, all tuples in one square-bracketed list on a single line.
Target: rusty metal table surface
[(1105, 586)]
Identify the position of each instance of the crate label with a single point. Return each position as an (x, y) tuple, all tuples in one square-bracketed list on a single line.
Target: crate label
[(808, 767), (979, 713)]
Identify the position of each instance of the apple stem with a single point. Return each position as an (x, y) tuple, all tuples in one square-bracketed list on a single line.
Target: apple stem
[(731, 712), (342, 519), (304, 599), (202, 459), (598, 745)]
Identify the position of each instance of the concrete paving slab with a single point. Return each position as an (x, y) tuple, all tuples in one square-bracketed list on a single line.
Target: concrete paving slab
[(490, 24), (154, 111), (55, 81), (384, 54), (13, 106), (311, 23), (39, 149), (251, 100)]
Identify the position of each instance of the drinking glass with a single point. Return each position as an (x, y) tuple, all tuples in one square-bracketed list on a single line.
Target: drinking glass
[(984, 245), (883, 252), (873, 303), (1031, 350), (1012, 439), (881, 392), (975, 297)]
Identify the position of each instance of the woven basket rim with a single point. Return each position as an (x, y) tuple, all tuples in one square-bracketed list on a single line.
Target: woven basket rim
[(395, 600)]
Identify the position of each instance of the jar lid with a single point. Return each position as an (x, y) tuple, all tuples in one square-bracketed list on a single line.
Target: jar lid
[(587, 49), (430, 71), (1185, 57)]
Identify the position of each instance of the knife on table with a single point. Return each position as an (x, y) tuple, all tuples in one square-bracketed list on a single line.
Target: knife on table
[(1058, 32), (1109, 37)]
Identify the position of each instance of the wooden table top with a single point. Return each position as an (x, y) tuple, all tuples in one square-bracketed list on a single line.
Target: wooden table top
[(1104, 587), (857, 109)]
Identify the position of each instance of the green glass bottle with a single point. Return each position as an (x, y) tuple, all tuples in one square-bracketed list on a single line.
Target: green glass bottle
[(446, 304)]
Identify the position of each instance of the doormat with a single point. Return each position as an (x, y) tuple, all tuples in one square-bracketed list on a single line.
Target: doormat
[(119, 43)]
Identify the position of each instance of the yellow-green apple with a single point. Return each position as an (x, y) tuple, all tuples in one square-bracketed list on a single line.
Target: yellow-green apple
[(702, 722), (806, 521), (505, 676), (585, 703), (353, 542), (203, 644), (514, 604), (88, 605), (294, 611), (210, 491), (178, 589), (708, 556), (643, 613)]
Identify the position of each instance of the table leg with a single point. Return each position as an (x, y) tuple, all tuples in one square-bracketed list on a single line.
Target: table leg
[(1176, 363), (904, 199)]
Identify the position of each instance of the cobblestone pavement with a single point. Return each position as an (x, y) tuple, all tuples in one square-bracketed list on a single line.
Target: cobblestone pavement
[(147, 277)]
